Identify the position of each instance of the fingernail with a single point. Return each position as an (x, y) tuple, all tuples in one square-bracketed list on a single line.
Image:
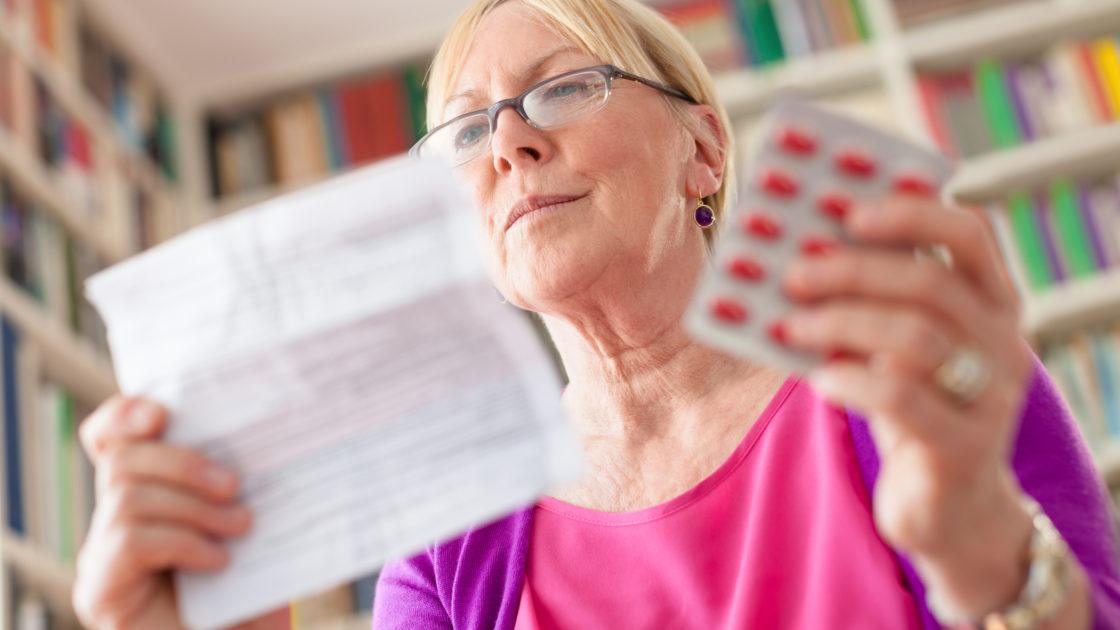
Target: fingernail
[(141, 416), (219, 478)]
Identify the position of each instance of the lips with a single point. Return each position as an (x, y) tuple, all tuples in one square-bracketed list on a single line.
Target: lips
[(536, 202)]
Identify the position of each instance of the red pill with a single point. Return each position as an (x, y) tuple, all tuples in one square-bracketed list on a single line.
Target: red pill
[(855, 163), (839, 354), (745, 268), (835, 206), (762, 226), (797, 141), (777, 332), (913, 184), (729, 310), (818, 245), (778, 183)]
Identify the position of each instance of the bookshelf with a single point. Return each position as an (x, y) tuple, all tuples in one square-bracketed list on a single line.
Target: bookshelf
[(887, 66), (79, 189)]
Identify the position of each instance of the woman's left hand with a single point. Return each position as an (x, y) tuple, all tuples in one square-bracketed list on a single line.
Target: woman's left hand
[(945, 487)]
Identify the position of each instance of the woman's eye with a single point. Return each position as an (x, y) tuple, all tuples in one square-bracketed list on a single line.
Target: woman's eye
[(565, 89), (469, 136)]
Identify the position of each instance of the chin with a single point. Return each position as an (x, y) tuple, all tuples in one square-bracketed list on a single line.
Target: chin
[(545, 280)]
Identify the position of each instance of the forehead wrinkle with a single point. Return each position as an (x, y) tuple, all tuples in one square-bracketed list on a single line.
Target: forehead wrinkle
[(522, 77)]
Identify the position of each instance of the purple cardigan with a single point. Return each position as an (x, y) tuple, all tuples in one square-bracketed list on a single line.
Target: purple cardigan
[(474, 581)]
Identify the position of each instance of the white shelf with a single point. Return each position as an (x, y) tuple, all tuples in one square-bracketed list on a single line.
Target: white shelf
[(66, 358), (748, 91), (33, 179), (1010, 29), (40, 572), (1066, 307), (987, 178)]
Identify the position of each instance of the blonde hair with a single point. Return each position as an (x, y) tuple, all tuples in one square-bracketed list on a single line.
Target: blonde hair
[(624, 33)]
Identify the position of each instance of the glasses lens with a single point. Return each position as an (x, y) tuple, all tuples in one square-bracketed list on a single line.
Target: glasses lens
[(566, 98), (459, 141)]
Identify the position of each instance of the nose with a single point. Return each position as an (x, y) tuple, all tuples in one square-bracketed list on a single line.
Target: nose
[(516, 143)]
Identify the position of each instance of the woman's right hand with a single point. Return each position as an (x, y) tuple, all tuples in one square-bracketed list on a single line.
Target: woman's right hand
[(159, 507)]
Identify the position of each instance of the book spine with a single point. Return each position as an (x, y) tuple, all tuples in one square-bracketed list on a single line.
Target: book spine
[(1108, 374), (1032, 251), (417, 105), (1085, 58), (930, 93), (996, 103), (1044, 218), (764, 35), (1070, 230), (793, 28), (1092, 228), (862, 25), (1013, 82), (9, 342), (1107, 60), (1105, 206)]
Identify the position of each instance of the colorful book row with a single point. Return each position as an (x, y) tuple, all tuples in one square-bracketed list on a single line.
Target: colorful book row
[(1064, 231), (39, 256), (129, 96), (49, 491), (1087, 371), (307, 135), (731, 34), (997, 104)]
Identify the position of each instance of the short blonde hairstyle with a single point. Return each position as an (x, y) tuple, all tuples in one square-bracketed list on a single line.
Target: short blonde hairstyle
[(624, 33)]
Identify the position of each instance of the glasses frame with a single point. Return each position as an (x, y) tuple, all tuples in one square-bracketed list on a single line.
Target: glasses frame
[(517, 103)]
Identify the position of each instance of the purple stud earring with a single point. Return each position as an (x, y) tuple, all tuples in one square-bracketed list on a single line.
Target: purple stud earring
[(705, 216)]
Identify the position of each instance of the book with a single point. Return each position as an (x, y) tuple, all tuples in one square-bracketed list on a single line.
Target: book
[(1094, 231), (1028, 241), (995, 102), (1070, 229), (13, 474), (1106, 58)]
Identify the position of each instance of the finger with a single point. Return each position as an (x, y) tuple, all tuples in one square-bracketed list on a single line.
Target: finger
[(120, 419), (153, 502), (906, 338), (915, 221), (907, 405), (180, 466), (885, 274), (142, 548)]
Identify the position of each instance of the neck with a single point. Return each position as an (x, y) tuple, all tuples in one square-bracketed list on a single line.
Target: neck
[(634, 373)]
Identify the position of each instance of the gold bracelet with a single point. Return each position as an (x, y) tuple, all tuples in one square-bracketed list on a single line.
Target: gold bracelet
[(1047, 580)]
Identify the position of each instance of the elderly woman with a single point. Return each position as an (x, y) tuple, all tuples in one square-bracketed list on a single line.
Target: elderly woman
[(718, 493)]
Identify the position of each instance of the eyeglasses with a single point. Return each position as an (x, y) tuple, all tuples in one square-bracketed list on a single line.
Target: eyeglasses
[(546, 105)]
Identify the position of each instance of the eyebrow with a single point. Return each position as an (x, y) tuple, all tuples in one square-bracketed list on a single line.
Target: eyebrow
[(531, 73)]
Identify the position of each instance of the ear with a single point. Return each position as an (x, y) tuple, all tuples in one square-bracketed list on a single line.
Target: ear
[(709, 154)]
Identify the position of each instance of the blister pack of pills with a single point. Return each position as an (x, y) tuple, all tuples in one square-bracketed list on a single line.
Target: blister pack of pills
[(808, 169)]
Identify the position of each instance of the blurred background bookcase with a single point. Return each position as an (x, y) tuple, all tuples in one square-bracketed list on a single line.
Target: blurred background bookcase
[(109, 144)]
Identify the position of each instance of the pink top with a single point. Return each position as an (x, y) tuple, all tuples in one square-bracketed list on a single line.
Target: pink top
[(779, 536)]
